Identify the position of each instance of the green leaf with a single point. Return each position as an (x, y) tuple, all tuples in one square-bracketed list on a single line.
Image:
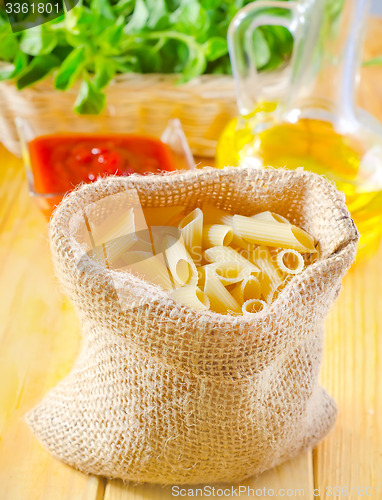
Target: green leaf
[(126, 64), (90, 100), (19, 63), (103, 8), (124, 7), (220, 67), (192, 19), (76, 39), (279, 39), (39, 67), (196, 64), (79, 20), (262, 53), (215, 47), (56, 23), (98, 38), (182, 56), (70, 69), (82, 27), (111, 37), (38, 41), (212, 4), (104, 72), (139, 19), (8, 43), (158, 14)]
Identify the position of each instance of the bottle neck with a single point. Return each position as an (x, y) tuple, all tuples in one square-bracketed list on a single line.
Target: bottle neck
[(329, 93)]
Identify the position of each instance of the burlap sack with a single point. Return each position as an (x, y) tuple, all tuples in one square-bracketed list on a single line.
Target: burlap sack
[(162, 393)]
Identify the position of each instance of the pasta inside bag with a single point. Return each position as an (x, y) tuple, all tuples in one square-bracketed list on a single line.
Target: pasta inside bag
[(167, 389)]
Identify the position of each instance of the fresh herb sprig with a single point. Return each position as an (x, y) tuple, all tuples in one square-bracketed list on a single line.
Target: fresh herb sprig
[(99, 39)]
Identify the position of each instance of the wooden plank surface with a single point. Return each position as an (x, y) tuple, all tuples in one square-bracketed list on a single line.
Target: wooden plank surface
[(350, 459), (294, 476), (39, 336), (351, 456), (38, 341)]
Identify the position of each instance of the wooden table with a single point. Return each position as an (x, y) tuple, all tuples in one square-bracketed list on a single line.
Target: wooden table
[(39, 336)]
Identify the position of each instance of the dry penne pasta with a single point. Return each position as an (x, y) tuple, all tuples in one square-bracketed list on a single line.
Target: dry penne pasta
[(114, 216), (115, 248), (110, 252), (270, 217), (237, 240), (239, 243), (141, 226), (141, 245), (112, 227), (201, 275), (221, 300), (290, 261), (162, 216), (271, 277), (191, 228), (273, 234), (217, 234), (226, 219), (249, 259), (243, 247), (230, 272), (212, 214), (152, 267), (158, 233), (248, 288), (182, 267), (191, 296), (253, 306), (221, 254)]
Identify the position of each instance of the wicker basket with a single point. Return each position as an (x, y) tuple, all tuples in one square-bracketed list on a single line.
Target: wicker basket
[(135, 103)]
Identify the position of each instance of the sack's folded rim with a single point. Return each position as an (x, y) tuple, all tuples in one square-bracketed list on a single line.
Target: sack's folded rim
[(75, 201)]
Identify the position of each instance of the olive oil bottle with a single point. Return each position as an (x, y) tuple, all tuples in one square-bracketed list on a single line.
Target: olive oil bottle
[(316, 146), (303, 114)]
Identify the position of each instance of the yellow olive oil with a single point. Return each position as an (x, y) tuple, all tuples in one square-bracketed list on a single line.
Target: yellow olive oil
[(316, 146)]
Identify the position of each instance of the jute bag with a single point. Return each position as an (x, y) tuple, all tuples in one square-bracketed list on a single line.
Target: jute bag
[(165, 394)]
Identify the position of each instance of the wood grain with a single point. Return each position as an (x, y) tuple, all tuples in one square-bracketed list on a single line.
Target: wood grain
[(352, 368), (352, 371), (294, 476), (39, 337)]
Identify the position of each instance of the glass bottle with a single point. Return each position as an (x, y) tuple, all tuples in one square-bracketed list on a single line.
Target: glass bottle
[(303, 113)]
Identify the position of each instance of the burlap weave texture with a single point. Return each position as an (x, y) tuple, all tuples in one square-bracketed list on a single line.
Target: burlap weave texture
[(161, 393)]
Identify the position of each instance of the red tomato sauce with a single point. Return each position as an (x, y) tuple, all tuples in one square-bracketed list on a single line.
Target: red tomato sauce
[(60, 162)]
